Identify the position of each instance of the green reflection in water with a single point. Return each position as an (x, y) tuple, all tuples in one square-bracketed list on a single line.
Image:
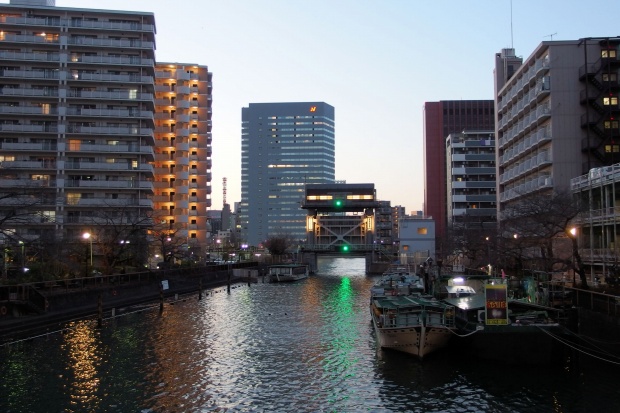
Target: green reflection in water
[(341, 318)]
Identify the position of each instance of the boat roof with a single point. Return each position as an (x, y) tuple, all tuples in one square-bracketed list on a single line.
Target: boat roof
[(467, 303), (402, 301), (454, 289), (287, 265)]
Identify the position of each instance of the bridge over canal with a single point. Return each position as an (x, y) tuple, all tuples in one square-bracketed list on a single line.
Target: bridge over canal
[(341, 222)]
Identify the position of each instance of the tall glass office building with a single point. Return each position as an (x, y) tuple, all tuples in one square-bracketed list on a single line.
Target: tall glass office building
[(284, 146)]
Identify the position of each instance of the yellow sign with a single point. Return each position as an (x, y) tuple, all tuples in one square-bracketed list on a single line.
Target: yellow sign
[(496, 304), (312, 108)]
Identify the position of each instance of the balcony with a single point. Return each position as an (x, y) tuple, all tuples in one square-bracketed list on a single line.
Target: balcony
[(125, 149), (30, 57), (109, 130), (109, 202), (113, 113), (30, 74), (109, 77), (113, 60), (123, 26), (121, 184), (27, 146), (28, 165), (29, 110), (116, 43), (99, 94), (107, 166), (30, 21), (27, 183), (43, 92), (29, 39), (29, 128)]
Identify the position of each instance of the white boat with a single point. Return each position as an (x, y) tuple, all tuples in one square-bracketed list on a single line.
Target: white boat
[(412, 323), (288, 272), (398, 280)]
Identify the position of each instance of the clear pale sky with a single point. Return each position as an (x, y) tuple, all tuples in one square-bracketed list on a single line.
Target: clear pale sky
[(376, 62)]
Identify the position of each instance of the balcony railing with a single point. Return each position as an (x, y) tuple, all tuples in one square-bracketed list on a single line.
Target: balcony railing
[(122, 95), (43, 57), (124, 43), (116, 113), (113, 60), (6, 91), (30, 74), (8, 127), (109, 130), (109, 77), (134, 26)]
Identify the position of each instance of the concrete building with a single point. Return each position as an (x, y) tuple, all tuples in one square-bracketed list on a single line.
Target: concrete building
[(183, 150), (471, 197), (76, 120), (417, 239), (598, 231), (441, 119), (557, 116), (284, 146)]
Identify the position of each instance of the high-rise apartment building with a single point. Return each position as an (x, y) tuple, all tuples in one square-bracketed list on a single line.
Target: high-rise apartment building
[(284, 146), (76, 120), (471, 180), (440, 120), (183, 151), (557, 116)]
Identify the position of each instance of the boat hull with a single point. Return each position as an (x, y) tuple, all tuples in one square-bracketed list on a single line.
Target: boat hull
[(288, 273), (286, 278), (419, 341)]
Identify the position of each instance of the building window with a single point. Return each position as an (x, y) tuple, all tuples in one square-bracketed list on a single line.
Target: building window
[(612, 148), (608, 53), (611, 100), (422, 231)]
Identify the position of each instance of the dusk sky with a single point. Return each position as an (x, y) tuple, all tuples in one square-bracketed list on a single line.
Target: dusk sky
[(376, 62)]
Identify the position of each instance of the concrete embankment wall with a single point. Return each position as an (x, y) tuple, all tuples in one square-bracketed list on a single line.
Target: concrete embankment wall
[(66, 305)]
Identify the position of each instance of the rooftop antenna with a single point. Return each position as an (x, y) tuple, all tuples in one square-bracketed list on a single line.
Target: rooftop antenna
[(224, 190), (512, 42), (551, 36)]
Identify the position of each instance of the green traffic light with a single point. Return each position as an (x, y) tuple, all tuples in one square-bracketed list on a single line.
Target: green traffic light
[(345, 248)]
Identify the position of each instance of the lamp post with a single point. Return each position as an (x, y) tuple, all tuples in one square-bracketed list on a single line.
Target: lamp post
[(88, 236), (21, 243), (573, 233)]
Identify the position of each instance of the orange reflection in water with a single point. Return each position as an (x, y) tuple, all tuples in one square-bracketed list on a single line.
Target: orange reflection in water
[(81, 343)]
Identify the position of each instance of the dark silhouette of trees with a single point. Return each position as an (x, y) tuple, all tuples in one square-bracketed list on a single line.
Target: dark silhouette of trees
[(278, 245)]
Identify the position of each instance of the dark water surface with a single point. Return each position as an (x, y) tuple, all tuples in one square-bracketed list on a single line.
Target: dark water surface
[(302, 347)]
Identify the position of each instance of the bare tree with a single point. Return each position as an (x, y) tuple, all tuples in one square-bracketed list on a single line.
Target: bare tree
[(278, 245), (166, 238), (536, 227)]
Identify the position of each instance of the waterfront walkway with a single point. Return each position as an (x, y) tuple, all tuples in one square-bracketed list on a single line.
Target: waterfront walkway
[(39, 307)]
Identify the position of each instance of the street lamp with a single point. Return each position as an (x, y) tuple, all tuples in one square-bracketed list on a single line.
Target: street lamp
[(88, 236), (21, 243), (575, 248)]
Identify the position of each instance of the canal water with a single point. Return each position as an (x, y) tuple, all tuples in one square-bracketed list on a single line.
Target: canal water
[(302, 347)]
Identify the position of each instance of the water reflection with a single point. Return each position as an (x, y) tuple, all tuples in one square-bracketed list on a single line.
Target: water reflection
[(301, 347), (83, 369)]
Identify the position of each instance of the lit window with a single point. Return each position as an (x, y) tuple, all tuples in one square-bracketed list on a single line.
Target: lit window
[(422, 231)]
